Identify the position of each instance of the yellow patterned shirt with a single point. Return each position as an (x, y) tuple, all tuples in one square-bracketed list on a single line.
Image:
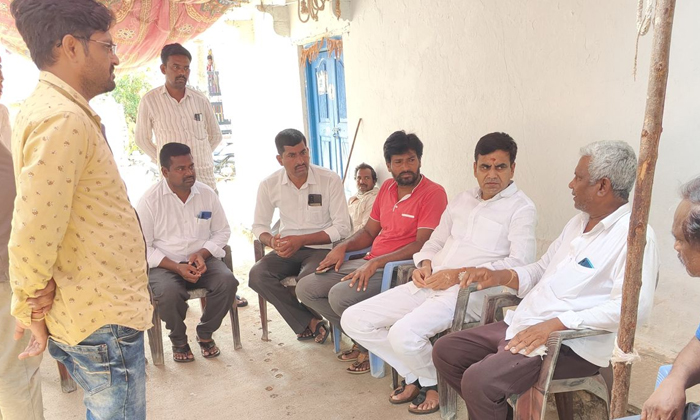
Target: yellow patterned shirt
[(72, 220)]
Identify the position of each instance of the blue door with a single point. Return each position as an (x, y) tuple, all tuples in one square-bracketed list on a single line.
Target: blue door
[(328, 117)]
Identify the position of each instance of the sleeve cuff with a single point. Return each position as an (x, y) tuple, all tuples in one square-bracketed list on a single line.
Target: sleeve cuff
[(571, 320), (423, 255), (524, 281), (154, 258), (333, 233), (257, 231), (214, 249)]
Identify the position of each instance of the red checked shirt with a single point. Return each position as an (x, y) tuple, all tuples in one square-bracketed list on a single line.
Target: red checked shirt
[(401, 219)]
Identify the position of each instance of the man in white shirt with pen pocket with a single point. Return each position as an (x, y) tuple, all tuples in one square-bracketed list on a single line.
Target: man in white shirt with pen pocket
[(185, 228), (577, 284)]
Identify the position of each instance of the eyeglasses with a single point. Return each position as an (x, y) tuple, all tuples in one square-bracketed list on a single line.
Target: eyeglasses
[(112, 47)]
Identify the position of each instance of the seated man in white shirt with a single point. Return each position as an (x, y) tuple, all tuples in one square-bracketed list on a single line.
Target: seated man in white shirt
[(360, 204), (313, 214), (186, 229), (490, 226), (577, 284)]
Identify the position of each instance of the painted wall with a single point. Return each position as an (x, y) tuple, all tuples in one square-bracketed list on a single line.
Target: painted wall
[(555, 75)]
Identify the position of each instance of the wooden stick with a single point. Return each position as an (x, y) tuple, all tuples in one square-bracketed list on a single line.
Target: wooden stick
[(636, 239), (347, 164)]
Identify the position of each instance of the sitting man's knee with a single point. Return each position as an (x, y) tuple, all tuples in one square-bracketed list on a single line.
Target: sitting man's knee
[(350, 321), (338, 297), (403, 338)]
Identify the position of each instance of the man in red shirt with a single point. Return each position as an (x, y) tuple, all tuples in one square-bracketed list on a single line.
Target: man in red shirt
[(404, 215)]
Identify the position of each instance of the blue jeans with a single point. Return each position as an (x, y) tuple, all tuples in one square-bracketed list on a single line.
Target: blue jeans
[(110, 366)]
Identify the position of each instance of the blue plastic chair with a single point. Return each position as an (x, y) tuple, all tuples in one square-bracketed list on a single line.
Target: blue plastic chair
[(376, 365)]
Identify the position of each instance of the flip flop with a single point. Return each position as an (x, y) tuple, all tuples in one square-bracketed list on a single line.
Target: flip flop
[(325, 328), (362, 359), (186, 350), (420, 399), (242, 302), (354, 348), (307, 337), (208, 346), (401, 389)]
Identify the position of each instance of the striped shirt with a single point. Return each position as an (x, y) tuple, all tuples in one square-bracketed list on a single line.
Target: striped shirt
[(190, 121)]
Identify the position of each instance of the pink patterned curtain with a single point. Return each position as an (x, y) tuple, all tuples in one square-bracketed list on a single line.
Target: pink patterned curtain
[(142, 28)]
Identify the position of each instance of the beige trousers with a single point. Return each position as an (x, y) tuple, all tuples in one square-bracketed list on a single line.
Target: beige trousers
[(20, 381)]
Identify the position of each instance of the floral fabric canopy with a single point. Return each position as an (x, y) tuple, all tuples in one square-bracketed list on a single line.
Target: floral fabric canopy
[(142, 27)]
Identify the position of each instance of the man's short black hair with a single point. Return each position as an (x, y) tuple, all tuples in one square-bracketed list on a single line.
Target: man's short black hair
[(288, 137), (496, 141), (44, 23), (399, 143), (173, 49), (172, 149), (366, 166)]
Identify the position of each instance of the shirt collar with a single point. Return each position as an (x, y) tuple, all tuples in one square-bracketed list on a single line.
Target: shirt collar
[(72, 94), (374, 190), (310, 178), (395, 186), (610, 220), (164, 91), (165, 189), (508, 191)]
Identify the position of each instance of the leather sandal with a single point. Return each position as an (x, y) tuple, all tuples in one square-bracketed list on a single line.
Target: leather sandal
[(183, 350), (401, 389), (420, 399), (355, 348), (317, 332), (208, 346), (362, 362)]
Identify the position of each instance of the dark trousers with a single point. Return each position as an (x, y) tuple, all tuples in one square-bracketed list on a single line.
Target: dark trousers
[(170, 290), (475, 363), (266, 275)]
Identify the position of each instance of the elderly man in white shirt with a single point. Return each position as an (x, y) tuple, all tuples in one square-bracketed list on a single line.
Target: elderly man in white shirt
[(175, 113), (576, 284), (490, 226), (185, 228), (313, 215), (360, 204)]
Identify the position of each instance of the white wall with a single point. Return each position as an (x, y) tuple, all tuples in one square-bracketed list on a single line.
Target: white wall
[(555, 75)]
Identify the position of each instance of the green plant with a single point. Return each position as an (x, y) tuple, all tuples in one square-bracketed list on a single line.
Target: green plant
[(130, 88)]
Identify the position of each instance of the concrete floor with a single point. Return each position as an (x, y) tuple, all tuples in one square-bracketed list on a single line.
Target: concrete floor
[(280, 379)]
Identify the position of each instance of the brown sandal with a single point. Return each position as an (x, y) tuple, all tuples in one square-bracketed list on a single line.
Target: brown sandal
[(355, 348), (360, 366), (401, 389), (180, 350), (208, 347)]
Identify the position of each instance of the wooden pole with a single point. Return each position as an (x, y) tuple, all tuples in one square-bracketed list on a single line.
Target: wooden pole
[(636, 239), (352, 147)]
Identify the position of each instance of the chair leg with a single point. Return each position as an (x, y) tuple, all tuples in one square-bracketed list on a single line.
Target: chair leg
[(376, 366), (235, 326), (263, 318), (203, 302), (565, 405), (67, 383), (531, 405), (337, 338), (394, 379), (155, 337), (448, 399)]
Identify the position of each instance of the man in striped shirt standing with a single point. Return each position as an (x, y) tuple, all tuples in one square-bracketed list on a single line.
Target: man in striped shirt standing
[(175, 113)]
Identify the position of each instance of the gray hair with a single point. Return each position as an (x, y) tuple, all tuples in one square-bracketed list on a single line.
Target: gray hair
[(614, 160), (691, 227)]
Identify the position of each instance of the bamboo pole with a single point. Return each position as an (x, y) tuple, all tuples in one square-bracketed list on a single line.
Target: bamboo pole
[(347, 164), (636, 239)]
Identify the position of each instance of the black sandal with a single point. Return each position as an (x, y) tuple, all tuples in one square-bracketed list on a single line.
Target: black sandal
[(303, 337), (186, 350), (401, 389), (208, 346), (420, 399), (325, 328)]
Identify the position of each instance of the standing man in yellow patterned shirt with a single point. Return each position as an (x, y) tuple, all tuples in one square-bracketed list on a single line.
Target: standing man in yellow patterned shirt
[(72, 220)]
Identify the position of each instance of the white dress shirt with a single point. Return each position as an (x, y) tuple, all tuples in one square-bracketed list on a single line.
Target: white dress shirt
[(297, 217), (360, 207), (497, 234), (190, 121), (559, 285), (175, 229)]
